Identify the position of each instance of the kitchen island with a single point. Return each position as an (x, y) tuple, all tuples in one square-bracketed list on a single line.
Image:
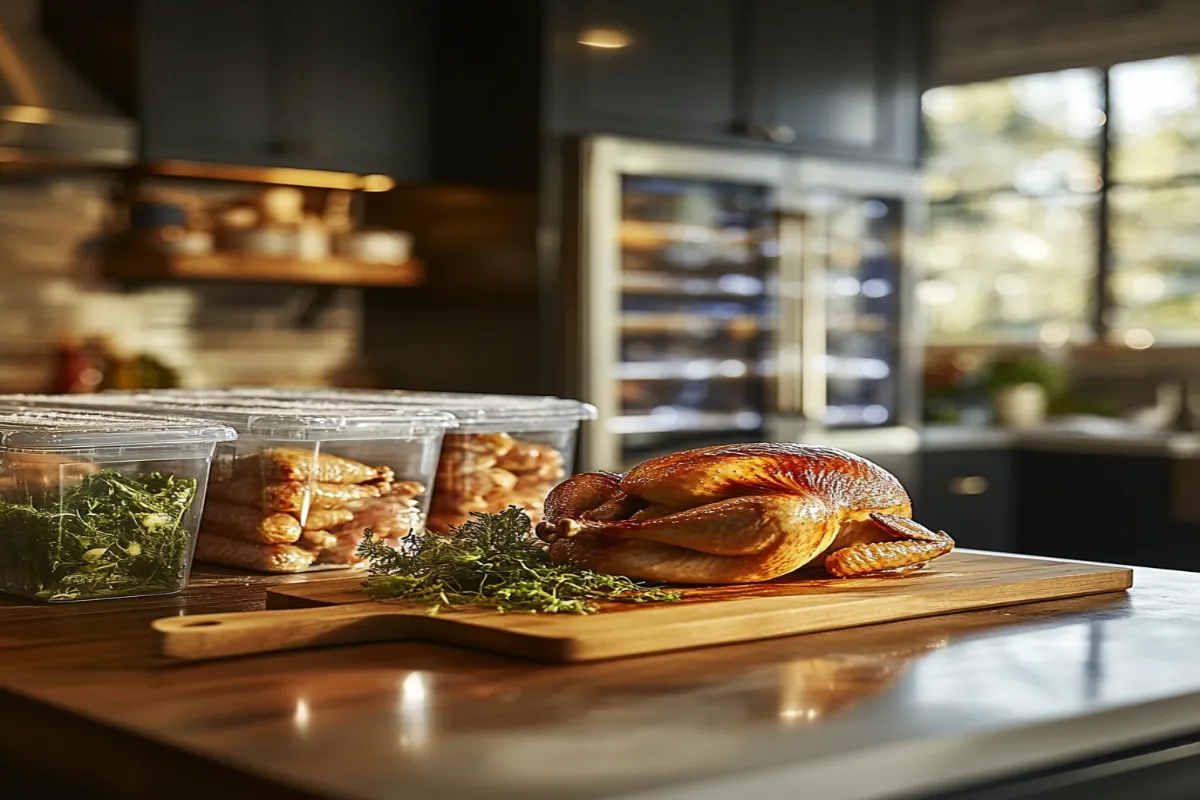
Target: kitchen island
[(937, 707)]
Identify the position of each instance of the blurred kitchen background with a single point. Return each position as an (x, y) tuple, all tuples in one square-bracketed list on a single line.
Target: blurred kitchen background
[(959, 237)]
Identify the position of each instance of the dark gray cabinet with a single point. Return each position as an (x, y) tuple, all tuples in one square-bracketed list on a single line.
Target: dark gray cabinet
[(205, 75), (838, 78), (353, 83), (675, 77), (1113, 507), (971, 495), (467, 91), (829, 78), (315, 84)]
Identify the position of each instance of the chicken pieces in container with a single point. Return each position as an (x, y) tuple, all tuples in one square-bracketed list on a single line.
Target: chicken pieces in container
[(304, 480), (506, 450)]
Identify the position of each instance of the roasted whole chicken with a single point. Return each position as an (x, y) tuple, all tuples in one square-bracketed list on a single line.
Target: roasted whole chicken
[(739, 514)]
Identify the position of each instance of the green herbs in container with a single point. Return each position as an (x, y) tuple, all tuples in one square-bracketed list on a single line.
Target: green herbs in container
[(109, 535), (98, 504)]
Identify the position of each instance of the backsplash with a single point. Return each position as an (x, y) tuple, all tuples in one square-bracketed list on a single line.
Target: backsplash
[(1130, 379), (1119, 380), (210, 335)]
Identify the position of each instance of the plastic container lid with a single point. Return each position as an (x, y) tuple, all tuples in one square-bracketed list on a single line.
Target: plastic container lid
[(273, 419), (59, 429), (483, 413), (476, 413)]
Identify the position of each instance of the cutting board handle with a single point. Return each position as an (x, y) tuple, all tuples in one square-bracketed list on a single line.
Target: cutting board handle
[(204, 636)]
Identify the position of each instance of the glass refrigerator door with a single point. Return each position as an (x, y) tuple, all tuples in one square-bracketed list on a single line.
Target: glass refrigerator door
[(853, 253), (695, 295)]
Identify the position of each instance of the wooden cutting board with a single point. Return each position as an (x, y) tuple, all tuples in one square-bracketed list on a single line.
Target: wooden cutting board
[(331, 612)]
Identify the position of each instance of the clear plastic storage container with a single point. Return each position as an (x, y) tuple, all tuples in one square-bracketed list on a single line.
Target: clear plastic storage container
[(95, 504), (305, 478), (506, 450)]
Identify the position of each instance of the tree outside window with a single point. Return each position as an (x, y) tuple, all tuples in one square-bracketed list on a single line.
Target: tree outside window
[(1065, 207)]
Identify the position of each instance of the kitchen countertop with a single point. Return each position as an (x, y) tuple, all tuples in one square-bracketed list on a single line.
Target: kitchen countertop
[(1094, 438), (916, 706)]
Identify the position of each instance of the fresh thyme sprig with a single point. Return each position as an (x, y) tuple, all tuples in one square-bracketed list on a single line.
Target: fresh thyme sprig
[(492, 561)]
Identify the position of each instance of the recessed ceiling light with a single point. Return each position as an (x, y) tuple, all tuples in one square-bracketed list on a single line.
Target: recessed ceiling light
[(603, 38)]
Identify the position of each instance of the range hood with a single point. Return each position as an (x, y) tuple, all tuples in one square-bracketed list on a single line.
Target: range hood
[(48, 114)]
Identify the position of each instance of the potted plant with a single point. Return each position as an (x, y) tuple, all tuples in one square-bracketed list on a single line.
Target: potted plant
[(1022, 389)]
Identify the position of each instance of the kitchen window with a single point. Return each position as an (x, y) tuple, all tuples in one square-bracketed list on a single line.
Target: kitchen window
[(1064, 207)]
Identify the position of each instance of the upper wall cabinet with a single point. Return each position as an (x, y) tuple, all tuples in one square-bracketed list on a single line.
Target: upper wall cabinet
[(205, 81), (355, 96), (315, 84), (648, 68), (838, 78)]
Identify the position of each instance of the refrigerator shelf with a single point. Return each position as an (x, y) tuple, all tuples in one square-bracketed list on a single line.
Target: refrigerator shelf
[(655, 233), (684, 263), (698, 324), (867, 323), (700, 369), (730, 285), (852, 367), (679, 419)]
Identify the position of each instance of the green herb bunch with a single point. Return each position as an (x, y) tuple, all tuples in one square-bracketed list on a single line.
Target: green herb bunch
[(110, 534), (492, 561)]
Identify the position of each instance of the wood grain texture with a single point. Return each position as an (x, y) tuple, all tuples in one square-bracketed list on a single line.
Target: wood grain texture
[(227, 267), (335, 612)]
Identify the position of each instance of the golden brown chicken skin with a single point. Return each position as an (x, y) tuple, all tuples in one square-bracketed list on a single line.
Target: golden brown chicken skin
[(739, 514)]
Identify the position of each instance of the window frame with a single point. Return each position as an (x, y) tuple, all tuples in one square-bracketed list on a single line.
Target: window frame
[(1103, 303)]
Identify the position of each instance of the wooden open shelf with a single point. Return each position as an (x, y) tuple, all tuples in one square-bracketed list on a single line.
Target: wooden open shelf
[(235, 268), (279, 176)]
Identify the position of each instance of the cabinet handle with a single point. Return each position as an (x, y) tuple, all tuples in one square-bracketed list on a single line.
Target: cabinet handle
[(290, 147), (780, 134), (969, 484)]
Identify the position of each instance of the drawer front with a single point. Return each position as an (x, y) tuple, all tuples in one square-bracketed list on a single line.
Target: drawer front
[(970, 494)]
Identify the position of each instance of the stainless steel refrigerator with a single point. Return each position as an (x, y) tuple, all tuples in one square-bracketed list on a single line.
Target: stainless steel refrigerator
[(724, 296)]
